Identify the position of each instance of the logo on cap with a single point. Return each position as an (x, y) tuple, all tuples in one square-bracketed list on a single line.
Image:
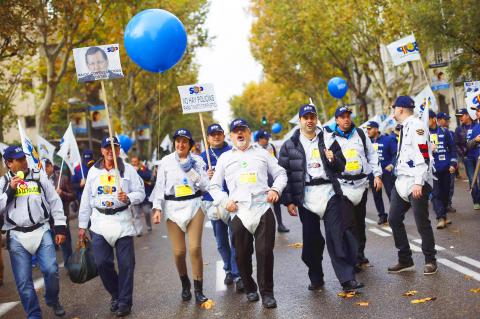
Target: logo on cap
[(18, 150), (237, 122)]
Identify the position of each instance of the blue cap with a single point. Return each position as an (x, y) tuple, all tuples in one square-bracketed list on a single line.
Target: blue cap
[(183, 132), (13, 152), (106, 141), (443, 115), (431, 114), (372, 124), (238, 123), (214, 128), (262, 134), (87, 155), (342, 110), (404, 101), (307, 108), (461, 112)]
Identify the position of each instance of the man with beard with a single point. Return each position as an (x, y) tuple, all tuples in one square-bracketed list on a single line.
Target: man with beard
[(245, 168)]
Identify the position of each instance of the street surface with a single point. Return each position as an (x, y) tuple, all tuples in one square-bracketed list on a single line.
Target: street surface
[(157, 286)]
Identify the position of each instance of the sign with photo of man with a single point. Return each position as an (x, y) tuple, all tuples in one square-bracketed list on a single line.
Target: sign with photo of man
[(97, 63), (98, 116)]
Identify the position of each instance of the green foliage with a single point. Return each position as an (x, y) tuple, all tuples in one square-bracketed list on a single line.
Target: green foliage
[(274, 101)]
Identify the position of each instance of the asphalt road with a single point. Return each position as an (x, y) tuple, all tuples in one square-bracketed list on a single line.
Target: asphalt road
[(157, 287)]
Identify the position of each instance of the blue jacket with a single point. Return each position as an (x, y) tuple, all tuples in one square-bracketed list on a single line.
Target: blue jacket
[(77, 177), (473, 150), (463, 133), (214, 155), (146, 175), (386, 149), (446, 152)]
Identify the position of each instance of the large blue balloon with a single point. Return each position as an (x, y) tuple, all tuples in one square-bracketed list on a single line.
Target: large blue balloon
[(276, 128), (155, 39), (125, 142), (337, 87)]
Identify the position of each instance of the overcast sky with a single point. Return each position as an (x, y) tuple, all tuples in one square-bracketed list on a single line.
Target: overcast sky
[(228, 62)]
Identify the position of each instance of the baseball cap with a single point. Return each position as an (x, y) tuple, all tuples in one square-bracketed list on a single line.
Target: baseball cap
[(307, 108), (263, 134), (461, 112), (431, 114), (87, 155), (13, 152), (106, 141), (443, 115), (238, 123), (404, 101), (214, 128), (342, 110), (184, 133), (372, 124)]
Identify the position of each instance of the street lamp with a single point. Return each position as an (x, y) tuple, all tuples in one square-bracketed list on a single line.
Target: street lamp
[(77, 101)]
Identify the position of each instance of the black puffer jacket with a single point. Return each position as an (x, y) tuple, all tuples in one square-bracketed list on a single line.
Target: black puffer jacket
[(293, 159)]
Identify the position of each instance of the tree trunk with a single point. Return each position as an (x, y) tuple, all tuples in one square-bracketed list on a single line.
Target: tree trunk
[(42, 110)]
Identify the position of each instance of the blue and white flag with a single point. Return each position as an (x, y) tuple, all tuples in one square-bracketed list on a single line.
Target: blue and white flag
[(404, 50), (30, 152), (45, 148), (69, 150)]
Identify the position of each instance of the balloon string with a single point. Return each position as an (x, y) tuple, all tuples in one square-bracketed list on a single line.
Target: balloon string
[(159, 105)]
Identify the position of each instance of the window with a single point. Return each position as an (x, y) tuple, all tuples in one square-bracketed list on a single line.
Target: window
[(30, 121), (438, 57)]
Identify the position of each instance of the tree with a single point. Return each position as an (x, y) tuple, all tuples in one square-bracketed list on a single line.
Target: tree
[(303, 44), (453, 26), (274, 101)]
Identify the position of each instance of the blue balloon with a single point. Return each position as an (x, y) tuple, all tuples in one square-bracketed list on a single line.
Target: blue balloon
[(125, 142), (155, 39), (337, 87), (276, 128)]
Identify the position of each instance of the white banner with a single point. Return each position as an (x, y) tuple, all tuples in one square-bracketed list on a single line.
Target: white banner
[(166, 144), (45, 148), (69, 150), (198, 98), (98, 63), (29, 150), (404, 50), (425, 100), (472, 86), (472, 102), (2, 147)]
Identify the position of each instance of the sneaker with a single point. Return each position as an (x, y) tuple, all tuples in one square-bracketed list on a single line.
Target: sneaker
[(476, 206), (430, 269), (448, 221), (282, 229), (149, 229), (253, 296), (58, 309), (123, 311), (113, 305), (441, 223), (382, 220), (450, 209), (239, 285), (400, 268), (352, 285), (228, 279), (316, 286)]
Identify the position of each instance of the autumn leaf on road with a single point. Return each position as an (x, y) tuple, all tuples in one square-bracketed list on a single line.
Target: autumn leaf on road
[(362, 303), (475, 290), (349, 294), (296, 245), (410, 293), (207, 304), (423, 300)]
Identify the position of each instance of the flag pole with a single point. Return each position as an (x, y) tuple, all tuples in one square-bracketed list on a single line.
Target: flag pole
[(60, 175), (205, 140), (110, 133)]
